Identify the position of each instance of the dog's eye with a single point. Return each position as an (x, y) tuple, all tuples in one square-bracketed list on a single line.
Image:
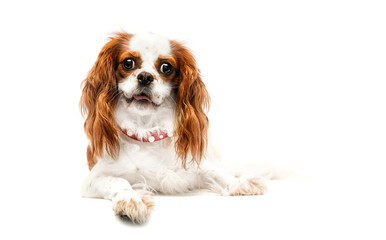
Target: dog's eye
[(166, 69), (128, 63)]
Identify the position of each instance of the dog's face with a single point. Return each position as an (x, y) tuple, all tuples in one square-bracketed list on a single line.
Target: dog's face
[(147, 70), (142, 74)]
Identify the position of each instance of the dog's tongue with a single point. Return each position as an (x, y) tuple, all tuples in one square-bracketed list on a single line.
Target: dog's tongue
[(142, 97)]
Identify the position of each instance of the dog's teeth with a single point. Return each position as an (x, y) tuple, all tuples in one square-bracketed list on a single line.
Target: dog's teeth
[(161, 136), (130, 132), (151, 139)]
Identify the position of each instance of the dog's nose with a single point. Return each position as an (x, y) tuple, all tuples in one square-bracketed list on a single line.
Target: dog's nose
[(145, 78)]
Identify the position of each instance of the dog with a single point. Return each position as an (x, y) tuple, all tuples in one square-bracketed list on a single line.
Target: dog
[(145, 105)]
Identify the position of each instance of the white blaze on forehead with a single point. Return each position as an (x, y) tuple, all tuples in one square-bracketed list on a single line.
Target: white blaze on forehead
[(150, 46)]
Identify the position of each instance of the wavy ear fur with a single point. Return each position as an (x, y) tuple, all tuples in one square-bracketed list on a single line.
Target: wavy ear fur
[(192, 101), (99, 99)]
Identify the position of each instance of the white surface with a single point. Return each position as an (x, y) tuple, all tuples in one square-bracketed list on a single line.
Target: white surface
[(299, 84), (292, 209)]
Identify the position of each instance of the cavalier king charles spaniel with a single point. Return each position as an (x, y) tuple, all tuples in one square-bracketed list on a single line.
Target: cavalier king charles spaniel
[(144, 102)]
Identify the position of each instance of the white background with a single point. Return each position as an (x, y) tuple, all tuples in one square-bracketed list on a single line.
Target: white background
[(299, 84)]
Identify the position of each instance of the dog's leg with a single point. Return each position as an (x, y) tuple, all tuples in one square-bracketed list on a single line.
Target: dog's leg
[(126, 201), (220, 181)]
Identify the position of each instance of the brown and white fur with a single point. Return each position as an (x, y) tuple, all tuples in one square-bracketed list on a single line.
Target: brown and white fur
[(140, 84)]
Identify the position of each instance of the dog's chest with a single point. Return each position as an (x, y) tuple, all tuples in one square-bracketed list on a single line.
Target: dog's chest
[(157, 165), (149, 156)]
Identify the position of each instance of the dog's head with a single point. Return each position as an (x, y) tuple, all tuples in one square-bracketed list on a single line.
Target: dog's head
[(148, 72)]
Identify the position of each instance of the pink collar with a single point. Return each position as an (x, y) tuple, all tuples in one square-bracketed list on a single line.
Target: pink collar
[(154, 136)]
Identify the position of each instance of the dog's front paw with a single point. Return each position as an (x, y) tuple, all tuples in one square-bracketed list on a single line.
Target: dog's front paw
[(137, 208), (248, 186)]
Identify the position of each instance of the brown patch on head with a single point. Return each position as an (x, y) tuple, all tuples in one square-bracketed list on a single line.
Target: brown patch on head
[(99, 99), (123, 73), (124, 55), (192, 99), (166, 60)]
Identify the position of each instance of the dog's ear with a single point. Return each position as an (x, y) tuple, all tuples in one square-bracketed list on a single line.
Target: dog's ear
[(192, 100), (99, 99)]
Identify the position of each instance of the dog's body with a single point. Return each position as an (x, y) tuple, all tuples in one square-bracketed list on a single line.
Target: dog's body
[(145, 101)]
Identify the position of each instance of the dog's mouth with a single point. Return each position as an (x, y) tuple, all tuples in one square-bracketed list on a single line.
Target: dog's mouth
[(141, 98)]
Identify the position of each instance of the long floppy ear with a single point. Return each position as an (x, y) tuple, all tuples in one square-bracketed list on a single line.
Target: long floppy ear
[(192, 100), (99, 99)]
